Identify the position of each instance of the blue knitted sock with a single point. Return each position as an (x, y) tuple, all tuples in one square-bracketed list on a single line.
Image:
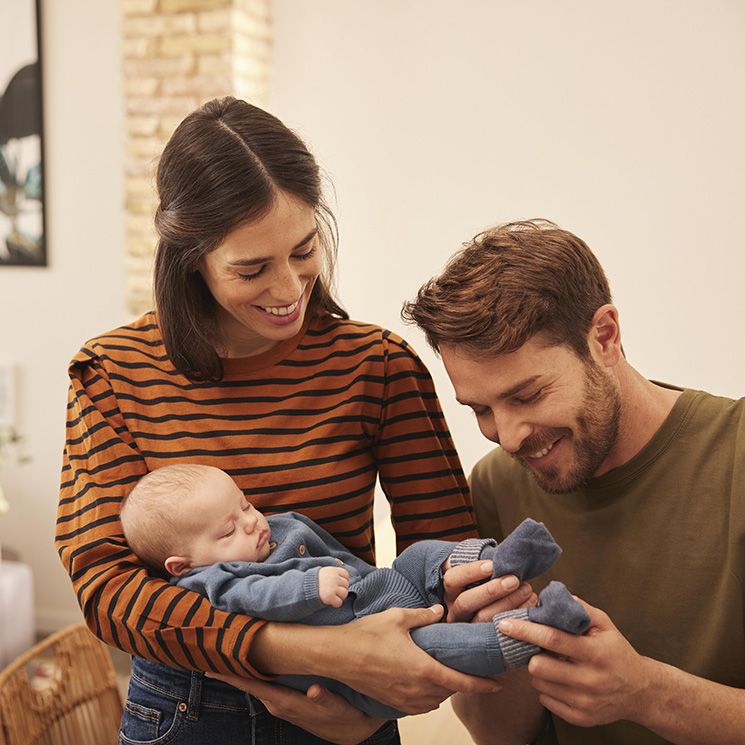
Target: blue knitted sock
[(528, 551), (557, 608)]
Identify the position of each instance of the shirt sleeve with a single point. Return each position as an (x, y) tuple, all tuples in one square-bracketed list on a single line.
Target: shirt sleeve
[(419, 469), (289, 596), (123, 602)]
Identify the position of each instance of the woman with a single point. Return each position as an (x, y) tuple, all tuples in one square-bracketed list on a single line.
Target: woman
[(250, 365)]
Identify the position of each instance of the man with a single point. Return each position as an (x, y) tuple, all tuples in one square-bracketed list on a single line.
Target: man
[(641, 483)]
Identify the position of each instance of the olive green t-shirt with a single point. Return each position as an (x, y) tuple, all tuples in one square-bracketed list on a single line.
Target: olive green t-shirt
[(658, 544)]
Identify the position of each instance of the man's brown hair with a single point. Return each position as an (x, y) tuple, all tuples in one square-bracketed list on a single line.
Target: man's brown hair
[(508, 284)]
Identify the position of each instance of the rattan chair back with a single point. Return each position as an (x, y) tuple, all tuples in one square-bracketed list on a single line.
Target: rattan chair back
[(63, 691)]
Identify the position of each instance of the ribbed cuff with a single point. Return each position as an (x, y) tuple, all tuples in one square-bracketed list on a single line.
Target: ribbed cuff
[(515, 652), (469, 550), (310, 587)]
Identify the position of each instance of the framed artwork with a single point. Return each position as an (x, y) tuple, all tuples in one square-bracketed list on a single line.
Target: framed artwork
[(22, 234)]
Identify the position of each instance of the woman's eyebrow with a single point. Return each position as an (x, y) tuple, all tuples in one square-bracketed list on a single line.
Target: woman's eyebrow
[(264, 259)]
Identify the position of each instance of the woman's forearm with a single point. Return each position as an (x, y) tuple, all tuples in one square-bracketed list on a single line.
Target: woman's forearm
[(374, 655)]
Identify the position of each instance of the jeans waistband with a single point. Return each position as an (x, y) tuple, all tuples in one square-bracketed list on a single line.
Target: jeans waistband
[(193, 687)]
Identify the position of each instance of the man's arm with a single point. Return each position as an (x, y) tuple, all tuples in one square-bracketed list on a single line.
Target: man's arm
[(513, 716), (599, 678)]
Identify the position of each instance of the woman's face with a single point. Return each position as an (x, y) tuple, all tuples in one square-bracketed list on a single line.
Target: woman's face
[(261, 277)]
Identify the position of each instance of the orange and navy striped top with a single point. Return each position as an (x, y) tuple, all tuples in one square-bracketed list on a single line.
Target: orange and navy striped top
[(306, 426)]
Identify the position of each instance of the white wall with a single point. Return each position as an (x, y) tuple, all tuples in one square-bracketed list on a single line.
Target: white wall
[(623, 122), (47, 313)]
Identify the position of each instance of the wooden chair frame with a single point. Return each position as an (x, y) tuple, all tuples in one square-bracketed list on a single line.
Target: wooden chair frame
[(78, 703)]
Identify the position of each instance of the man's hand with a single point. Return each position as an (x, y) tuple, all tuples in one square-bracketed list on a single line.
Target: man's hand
[(318, 711), (598, 678), (592, 679), (484, 601), (333, 585)]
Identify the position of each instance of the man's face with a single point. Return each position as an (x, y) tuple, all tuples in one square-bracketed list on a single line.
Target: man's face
[(554, 413)]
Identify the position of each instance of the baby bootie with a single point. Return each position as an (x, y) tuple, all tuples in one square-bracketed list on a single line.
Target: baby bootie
[(556, 608), (528, 551)]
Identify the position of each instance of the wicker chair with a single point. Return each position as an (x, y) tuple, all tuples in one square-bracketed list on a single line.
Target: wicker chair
[(63, 691)]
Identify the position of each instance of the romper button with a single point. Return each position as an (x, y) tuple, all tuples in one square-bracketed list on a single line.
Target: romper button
[(182, 707), (301, 550), (272, 546)]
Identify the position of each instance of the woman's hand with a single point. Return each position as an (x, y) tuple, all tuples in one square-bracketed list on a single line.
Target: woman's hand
[(374, 655), (484, 601), (320, 712), (388, 666)]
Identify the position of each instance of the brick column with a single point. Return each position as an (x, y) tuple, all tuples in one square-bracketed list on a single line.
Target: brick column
[(177, 55)]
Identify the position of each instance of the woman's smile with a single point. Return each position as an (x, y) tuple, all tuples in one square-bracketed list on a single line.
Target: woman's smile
[(262, 276), (285, 310)]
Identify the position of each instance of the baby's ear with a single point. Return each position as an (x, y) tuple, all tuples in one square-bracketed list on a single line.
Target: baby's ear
[(177, 565)]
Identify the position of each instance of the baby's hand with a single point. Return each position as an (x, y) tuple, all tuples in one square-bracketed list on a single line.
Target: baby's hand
[(333, 585)]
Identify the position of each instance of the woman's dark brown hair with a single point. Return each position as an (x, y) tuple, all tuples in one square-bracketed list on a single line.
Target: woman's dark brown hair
[(223, 166)]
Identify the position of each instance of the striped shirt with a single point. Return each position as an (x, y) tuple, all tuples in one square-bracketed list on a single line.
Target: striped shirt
[(306, 426)]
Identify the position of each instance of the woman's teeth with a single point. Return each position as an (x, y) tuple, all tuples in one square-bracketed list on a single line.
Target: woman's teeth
[(283, 311)]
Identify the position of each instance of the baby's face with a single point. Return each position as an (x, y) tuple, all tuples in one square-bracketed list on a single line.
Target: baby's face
[(227, 526)]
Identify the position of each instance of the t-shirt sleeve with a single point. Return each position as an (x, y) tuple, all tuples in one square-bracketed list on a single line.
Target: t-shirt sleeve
[(123, 602), (418, 466)]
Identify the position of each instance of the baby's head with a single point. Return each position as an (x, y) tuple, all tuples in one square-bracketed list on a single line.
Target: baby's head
[(185, 515)]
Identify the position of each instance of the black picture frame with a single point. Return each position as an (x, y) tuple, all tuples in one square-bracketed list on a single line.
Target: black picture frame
[(22, 213)]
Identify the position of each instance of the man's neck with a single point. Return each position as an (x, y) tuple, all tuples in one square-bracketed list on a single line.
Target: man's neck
[(644, 408)]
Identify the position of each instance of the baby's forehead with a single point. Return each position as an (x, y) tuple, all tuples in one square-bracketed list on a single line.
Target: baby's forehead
[(200, 532), (199, 515)]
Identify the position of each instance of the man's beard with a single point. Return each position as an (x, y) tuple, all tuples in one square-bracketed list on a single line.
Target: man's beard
[(592, 439)]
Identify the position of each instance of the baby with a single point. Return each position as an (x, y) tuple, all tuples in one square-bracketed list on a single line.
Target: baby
[(194, 522)]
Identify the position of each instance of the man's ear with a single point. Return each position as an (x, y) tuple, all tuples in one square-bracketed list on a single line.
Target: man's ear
[(605, 336), (177, 565)]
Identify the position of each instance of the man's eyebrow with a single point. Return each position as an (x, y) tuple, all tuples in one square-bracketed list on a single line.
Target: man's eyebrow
[(463, 402), (264, 259), (518, 387), (514, 390)]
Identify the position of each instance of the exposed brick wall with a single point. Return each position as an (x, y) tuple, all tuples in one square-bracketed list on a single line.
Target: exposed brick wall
[(177, 55)]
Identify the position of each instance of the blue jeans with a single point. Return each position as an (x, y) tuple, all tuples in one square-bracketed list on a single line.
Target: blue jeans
[(171, 706)]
